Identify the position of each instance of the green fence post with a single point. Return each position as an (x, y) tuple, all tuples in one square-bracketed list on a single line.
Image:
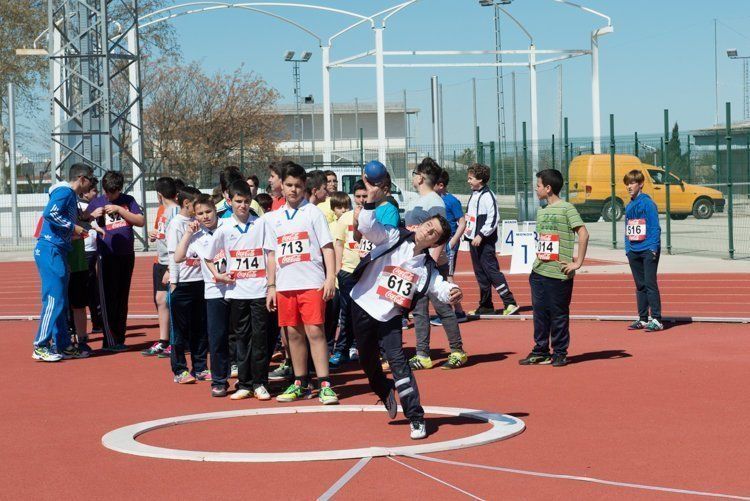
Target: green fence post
[(242, 151), (477, 143), (493, 164), (690, 163), (747, 150), (635, 144), (667, 183), (480, 152), (525, 173), (553, 151), (613, 199), (730, 197), (361, 147), (567, 159), (718, 158), (454, 160), (592, 147)]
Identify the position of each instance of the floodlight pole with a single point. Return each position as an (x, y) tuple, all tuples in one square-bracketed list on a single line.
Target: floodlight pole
[(534, 112), (595, 111), (325, 56), (380, 91)]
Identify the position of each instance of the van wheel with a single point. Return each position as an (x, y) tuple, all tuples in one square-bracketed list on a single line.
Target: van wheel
[(612, 211), (590, 218), (679, 217), (703, 208)]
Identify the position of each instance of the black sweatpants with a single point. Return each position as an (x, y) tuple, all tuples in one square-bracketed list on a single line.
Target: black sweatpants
[(248, 320), (333, 310), (550, 298), (644, 265), (115, 275), (92, 289), (371, 335), (187, 309), (487, 271)]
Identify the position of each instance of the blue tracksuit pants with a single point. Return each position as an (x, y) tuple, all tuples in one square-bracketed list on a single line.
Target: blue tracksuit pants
[(52, 264)]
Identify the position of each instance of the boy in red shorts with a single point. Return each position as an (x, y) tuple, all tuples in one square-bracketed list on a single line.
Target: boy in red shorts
[(301, 278)]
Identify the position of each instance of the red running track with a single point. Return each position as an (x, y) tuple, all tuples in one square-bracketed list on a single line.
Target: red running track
[(663, 410), (704, 295)]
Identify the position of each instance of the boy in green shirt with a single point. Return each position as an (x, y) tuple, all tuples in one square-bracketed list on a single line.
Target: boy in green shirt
[(551, 278)]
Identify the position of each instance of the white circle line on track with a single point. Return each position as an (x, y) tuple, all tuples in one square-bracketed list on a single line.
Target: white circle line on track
[(124, 439)]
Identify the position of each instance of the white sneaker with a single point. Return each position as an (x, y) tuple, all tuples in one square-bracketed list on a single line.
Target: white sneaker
[(353, 354), (261, 393), (45, 355), (418, 430), (241, 395)]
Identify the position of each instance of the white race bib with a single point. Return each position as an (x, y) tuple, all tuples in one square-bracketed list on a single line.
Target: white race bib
[(471, 222), (548, 247), (397, 285), (293, 248), (365, 247), (248, 263), (635, 230), (114, 221)]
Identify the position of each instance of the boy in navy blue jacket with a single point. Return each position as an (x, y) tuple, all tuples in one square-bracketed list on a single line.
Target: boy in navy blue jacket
[(643, 247)]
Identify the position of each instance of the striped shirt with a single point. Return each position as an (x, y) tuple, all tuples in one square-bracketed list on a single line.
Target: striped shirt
[(560, 219)]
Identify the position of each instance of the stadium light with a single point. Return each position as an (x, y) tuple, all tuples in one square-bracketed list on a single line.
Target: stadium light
[(306, 56), (289, 55)]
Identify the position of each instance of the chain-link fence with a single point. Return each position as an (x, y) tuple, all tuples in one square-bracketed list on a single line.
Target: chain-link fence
[(700, 183)]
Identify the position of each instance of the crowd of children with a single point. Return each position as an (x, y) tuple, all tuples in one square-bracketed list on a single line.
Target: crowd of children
[(310, 275)]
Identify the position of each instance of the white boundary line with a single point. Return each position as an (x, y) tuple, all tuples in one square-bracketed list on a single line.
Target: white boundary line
[(124, 439), (579, 478), (598, 318), (344, 479), (436, 479)]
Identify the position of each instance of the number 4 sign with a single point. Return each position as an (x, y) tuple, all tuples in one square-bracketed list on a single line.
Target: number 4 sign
[(508, 231), (524, 253)]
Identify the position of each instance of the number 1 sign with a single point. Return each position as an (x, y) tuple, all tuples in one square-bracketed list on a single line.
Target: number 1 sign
[(524, 253)]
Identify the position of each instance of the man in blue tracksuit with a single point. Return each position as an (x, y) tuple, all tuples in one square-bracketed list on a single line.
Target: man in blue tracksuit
[(643, 247), (52, 341)]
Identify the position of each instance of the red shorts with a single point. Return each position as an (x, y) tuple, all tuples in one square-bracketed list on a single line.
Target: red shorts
[(301, 307)]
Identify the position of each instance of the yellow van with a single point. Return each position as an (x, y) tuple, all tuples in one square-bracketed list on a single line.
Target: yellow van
[(590, 189)]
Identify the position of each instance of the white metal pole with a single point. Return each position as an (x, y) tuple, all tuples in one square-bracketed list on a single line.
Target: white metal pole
[(435, 115), (559, 114), (56, 68), (380, 89), (325, 57), (534, 113), (515, 140), (474, 108), (136, 124), (12, 157), (312, 129), (595, 112), (440, 121)]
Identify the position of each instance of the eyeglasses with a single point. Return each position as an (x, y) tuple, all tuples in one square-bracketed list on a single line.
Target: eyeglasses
[(415, 173)]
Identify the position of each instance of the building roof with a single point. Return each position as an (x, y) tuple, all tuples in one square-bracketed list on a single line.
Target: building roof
[(707, 136), (392, 107)]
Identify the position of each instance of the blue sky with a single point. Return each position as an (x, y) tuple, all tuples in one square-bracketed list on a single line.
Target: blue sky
[(661, 55)]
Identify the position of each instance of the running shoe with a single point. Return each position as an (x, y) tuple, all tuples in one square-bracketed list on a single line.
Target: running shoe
[(281, 373), (637, 325), (166, 353), (559, 360), (84, 346), (184, 378), (418, 430), (654, 325), (234, 371), (455, 360), (436, 321), (337, 360), (294, 392), (261, 393), (45, 355), (326, 395), (510, 309), (219, 391), (241, 394), (482, 310), (536, 359), (461, 317), (153, 350), (404, 324), (353, 354), (73, 352), (417, 363), (203, 375), (390, 404)]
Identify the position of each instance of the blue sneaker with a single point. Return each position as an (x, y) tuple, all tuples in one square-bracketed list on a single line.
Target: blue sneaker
[(437, 321), (461, 317), (337, 360)]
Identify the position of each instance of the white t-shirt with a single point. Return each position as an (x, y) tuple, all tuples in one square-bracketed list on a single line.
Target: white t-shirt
[(90, 241), (389, 283), (201, 245), (243, 245), (297, 237), (190, 269)]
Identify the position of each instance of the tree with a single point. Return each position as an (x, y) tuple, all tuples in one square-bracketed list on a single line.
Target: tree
[(21, 22), (192, 121), (674, 152)]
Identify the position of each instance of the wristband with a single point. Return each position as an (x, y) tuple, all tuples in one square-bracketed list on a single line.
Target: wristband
[(272, 285)]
